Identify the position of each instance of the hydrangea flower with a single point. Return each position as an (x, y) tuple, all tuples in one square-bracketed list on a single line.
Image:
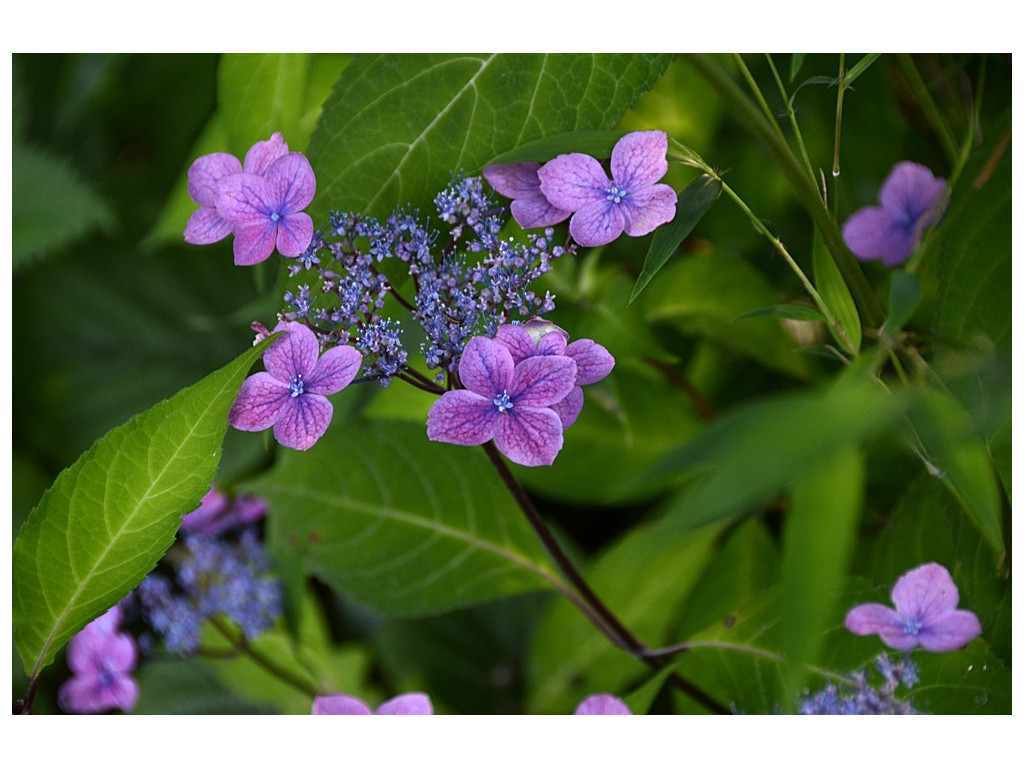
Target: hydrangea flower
[(290, 394), (217, 512), (266, 210), (541, 337), (520, 182), (925, 615), (405, 704), (604, 208), (207, 225), (859, 695), (602, 704), (101, 660), (505, 401), (912, 199)]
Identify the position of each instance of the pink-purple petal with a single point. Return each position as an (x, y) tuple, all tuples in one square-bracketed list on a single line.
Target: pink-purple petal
[(486, 367), (646, 209), (552, 344), (950, 632), (911, 189), (334, 371), (206, 226), (303, 421), (872, 619), (514, 180), (260, 403), (254, 244), (291, 183), (407, 704), (602, 704), (572, 181), (877, 233), (597, 223), (925, 593), (206, 171), (245, 200), (294, 353), (517, 340), (542, 380), (529, 436), (339, 705), (536, 211), (263, 153), (639, 159), (569, 408), (593, 362), (294, 234), (462, 417)]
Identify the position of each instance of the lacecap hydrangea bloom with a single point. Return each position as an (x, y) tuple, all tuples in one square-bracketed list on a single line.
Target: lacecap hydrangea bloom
[(630, 201), (505, 401), (101, 659), (911, 200), (260, 201), (290, 395), (405, 704), (926, 614)]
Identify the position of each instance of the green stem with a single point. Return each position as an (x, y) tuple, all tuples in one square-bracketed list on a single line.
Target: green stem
[(839, 130), (239, 642), (804, 188), (752, 83), (791, 114), (930, 108)]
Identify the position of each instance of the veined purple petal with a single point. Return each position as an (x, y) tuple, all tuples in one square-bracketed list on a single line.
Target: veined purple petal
[(949, 632), (294, 234), (260, 403), (648, 208), (873, 619), (877, 233), (303, 420), (925, 593), (552, 344), (255, 243), (334, 370), (206, 171), (517, 340), (485, 367), (514, 180), (339, 705), (602, 704), (294, 353), (206, 226), (572, 181), (597, 223), (542, 380), (263, 153), (527, 435), (407, 704), (639, 159), (291, 183), (245, 200), (912, 190), (462, 417), (569, 408), (593, 362), (537, 211)]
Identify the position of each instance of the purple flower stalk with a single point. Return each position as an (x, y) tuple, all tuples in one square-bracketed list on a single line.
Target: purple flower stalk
[(406, 704), (505, 401), (604, 208), (912, 199), (101, 660), (925, 615), (520, 182), (540, 337), (602, 704), (290, 395)]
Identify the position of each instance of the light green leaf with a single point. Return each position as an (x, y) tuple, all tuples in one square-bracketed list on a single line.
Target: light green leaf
[(819, 537), (836, 295), (859, 68), (401, 524), (51, 205), (108, 518), (694, 201), (397, 125)]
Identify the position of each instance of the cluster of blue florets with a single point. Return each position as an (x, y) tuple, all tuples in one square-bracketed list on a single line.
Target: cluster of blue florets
[(867, 694)]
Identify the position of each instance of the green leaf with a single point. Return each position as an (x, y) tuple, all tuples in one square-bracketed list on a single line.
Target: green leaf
[(108, 518), (836, 295), (958, 457), (51, 205), (641, 700), (859, 68), (260, 93), (397, 125), (408, 527), (801, 312), (795, 63), (694, 201), (597, 144), (819, 538), (904, 295)]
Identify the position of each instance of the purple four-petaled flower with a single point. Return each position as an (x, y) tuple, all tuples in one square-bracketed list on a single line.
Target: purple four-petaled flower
[(290, 394), (631, 201), (506, 401), (912, 199), (101, 660), (405, 704), (520, 182), (925, 614)]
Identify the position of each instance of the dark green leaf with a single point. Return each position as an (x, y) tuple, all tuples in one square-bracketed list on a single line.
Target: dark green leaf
[(795, 63), (397, 125), (694, 201), (801, 312), (597, 144), (859, 68), (904, 295), (108, 518)]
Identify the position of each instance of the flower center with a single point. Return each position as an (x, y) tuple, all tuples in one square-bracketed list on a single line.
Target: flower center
[(296, 385), (614, 194), (275, 216), (912, 627), (503, 401)]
